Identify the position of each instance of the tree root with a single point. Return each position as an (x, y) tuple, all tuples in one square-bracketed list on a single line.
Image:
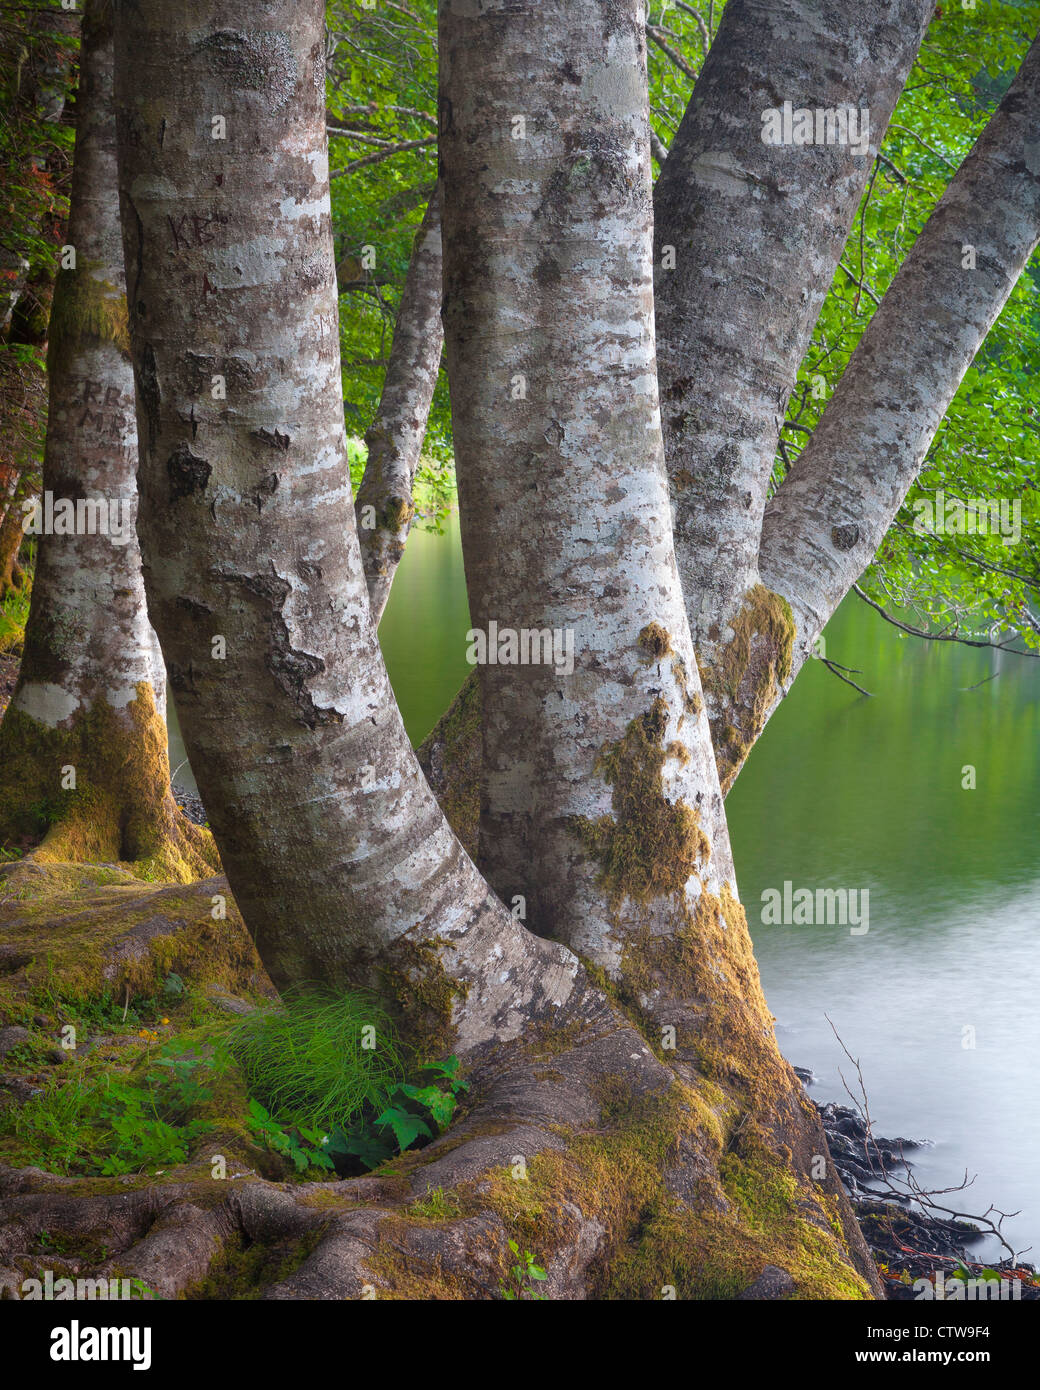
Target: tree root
[(584, 1149)]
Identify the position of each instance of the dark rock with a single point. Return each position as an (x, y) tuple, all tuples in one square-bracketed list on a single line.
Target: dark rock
[(191, 804), (11, 1037), (772, 1283)]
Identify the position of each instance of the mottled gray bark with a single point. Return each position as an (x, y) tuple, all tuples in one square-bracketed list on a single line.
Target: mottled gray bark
[(601, 811), (747, 238), (84, 735), (746, 241), (338, 855), (828, 517), (548, 310), (384, 506)]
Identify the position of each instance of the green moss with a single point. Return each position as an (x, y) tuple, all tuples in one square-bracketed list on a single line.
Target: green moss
[(121, 808), (655, 640), (745, 676), (397, 513), (73, 939), (244, 1269), (437, 1205), (85, 310), (650, 846), (423, 995)]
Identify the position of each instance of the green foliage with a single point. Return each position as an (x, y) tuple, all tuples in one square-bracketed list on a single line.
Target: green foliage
[(35, 149), (110, 1123), (988, 444), (327, 1088), (328, 1082), (320, 1056), (14, 614), (382, 99), (522, 1277), (404, 1115), (302, 1145)]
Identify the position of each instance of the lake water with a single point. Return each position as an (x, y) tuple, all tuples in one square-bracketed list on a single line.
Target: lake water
[(938, 997)]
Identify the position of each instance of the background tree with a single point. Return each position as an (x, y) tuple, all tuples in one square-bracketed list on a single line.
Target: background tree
[(83, 749)]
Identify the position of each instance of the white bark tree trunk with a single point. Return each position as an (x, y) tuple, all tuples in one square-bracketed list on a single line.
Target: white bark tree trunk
[(337, 853), (746, 242), (384, 507), (828, 517), (600, 802), (83, 754)]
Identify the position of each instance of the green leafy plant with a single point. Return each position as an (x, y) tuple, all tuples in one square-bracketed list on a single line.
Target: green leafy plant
[(328, 1083), (523, 1276), (318, 1057), (304, 1147), (112, 1123), (408, 1113)]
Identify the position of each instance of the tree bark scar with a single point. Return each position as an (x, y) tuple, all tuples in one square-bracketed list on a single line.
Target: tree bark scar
[(148, 391), (291, 667), (274, 439), (188, 474), (262, 62)]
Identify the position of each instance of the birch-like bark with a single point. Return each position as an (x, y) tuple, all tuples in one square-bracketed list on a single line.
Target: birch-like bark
[(748, 235), (384, 507), (601, 810), (747, 239), (84, 736), (828, 517), (549, 326), (337, 853), (746, 242)]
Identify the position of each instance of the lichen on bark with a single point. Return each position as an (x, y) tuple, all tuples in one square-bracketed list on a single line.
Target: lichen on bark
[(747, 672)]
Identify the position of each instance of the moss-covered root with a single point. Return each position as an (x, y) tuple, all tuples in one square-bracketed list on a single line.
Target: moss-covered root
[(744, 668), (96, 789), (586, 1151)]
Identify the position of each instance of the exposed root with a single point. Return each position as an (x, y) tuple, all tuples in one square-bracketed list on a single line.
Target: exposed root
[(587, 1152)]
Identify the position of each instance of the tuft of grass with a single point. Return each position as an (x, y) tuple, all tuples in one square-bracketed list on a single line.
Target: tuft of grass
[(14, 614), (320, 1055)]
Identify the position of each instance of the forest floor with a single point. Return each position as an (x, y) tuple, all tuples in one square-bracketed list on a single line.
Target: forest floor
[(142, 979)]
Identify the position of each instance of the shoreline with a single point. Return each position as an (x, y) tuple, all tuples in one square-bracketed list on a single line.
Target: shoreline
[(909, 1243)]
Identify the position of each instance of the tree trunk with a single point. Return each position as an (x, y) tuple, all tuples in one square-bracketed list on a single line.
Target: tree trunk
[(12, 535), (384, 507), (601, 812), (338, 855), (747, 239), (83, 753), (828, 517)]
